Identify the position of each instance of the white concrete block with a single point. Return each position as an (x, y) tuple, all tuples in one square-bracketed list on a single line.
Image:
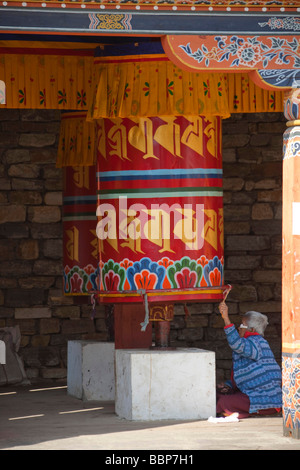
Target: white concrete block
[(153, 385), (91, 370)]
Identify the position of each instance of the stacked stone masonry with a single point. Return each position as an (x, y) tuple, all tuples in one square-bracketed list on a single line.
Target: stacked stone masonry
[(31, 242)]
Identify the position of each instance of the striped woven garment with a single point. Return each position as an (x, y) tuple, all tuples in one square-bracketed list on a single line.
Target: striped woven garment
[(256, 372)]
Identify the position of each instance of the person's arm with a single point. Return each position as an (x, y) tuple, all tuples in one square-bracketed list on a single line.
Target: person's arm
[(240, 345), (224, 312)]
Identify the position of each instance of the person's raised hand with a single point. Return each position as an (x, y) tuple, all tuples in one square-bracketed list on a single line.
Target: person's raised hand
[(223, 309)]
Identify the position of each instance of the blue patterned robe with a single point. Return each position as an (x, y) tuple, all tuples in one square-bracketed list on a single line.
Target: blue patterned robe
[(255, 370)]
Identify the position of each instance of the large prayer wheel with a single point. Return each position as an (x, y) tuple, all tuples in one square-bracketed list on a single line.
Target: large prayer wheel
[(159, 184), (80, 245), (80, 255), (160, 209)]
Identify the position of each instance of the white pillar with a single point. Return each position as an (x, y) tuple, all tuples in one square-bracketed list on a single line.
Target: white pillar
[(91, 370)]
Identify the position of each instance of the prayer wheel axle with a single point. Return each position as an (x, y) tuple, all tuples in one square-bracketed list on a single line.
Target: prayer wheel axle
[(162, 315)]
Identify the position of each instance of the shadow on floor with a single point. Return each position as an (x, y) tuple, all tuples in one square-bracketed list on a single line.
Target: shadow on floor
[(45, 417)]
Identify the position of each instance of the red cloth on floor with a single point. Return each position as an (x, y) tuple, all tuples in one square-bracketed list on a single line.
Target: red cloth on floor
[(239, 402)]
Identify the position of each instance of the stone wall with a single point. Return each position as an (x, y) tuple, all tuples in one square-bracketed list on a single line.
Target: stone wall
[(31, 242), (31, 246)]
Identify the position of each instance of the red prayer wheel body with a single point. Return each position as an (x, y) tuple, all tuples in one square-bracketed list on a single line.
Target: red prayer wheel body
[(80, 244), (160, 209)]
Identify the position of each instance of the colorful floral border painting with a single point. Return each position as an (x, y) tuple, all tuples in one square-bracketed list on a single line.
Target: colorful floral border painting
[(164, 274), (291, 393)]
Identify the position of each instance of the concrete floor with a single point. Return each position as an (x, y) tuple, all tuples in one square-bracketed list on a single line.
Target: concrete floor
[(45, 417)]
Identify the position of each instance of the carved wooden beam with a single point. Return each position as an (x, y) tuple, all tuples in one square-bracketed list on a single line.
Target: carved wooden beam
[(271, 61)]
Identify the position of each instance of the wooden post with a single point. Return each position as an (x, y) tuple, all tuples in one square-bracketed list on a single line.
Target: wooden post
[(127, 327), (291, 267)]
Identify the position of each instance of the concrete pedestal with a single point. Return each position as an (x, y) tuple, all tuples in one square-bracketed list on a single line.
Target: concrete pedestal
[(91, 370), (153, 385)]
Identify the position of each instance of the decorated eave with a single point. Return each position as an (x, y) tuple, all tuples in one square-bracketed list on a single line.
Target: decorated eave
[(161, 5), (257, 37), (150, 17)]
